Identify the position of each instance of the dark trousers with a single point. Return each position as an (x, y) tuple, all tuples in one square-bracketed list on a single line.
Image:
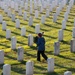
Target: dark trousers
[(43, 55)]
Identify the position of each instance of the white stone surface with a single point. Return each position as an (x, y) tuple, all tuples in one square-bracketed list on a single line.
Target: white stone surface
[(26, 6), (23, 31), (16, 7), (36, 13), (73, 32), (55, 17), (13, 42), (56, 48), (8, 34), (66, 16), (30, 40), (13, 17), (20, 12), (17, 23), (4, 25), (6, 69), (72, 45), (41, 9), (43, 19), (31, 10), (68, 73), (64, 24), (1, 18), (50, 64), (20, 54), (37, 28), (47, 13), (29, 68), (25, 16), (30, 21), (9, 13), (1, 57), (60, 35)]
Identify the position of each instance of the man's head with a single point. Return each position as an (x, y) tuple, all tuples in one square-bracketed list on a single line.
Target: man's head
[(40, 34)]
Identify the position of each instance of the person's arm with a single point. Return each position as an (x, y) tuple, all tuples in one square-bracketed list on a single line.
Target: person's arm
[(38, 42)]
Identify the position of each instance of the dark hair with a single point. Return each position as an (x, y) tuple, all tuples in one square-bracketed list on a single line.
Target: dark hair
[(40, 34)]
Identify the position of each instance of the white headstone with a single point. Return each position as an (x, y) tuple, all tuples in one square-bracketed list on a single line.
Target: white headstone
[(17, 23), (58, 10), (72, 45), (1, 18), (23, 31), (20, 12), (47, 12), (56, 48), (30, 21), (50, 64), (35, 5), (30, 40), (29, 68), (64, 24), (73, 32), (6, 69), (16, 7), (60, 35), (68, 9), (8, 34), (37, 28), (13, 17), (68, 73), (41, 9), (25, 16), (55, 17), (26, 6), (6, 9), (66, 16), (1, 57), (4, 25), (9, 13), (36, 13), (13, 42), (12, 4), (43, 19), (31, 10), (20, 54)]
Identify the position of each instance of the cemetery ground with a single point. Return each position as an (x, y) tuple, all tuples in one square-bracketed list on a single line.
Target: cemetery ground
[(65, 61)]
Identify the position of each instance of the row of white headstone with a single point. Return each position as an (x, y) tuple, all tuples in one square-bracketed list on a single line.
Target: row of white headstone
[(30, 68)]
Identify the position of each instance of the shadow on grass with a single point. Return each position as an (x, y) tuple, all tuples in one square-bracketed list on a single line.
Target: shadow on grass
[(21, 43), (4, 45), (19, 69), (68, 69), (61, 56), (15, 33), (28, 54), (65, 42), (53, 73), (33, 47), (2, 36), (52, 26), (10, 25), (50, 37), (29, 31), (68, 30), (44, 29), (10, 57)]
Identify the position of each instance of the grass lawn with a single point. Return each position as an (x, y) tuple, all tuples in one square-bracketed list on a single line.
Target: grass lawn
[(63, 62)]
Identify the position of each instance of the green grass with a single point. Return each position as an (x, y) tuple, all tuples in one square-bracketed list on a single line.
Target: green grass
[(63, 62)]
